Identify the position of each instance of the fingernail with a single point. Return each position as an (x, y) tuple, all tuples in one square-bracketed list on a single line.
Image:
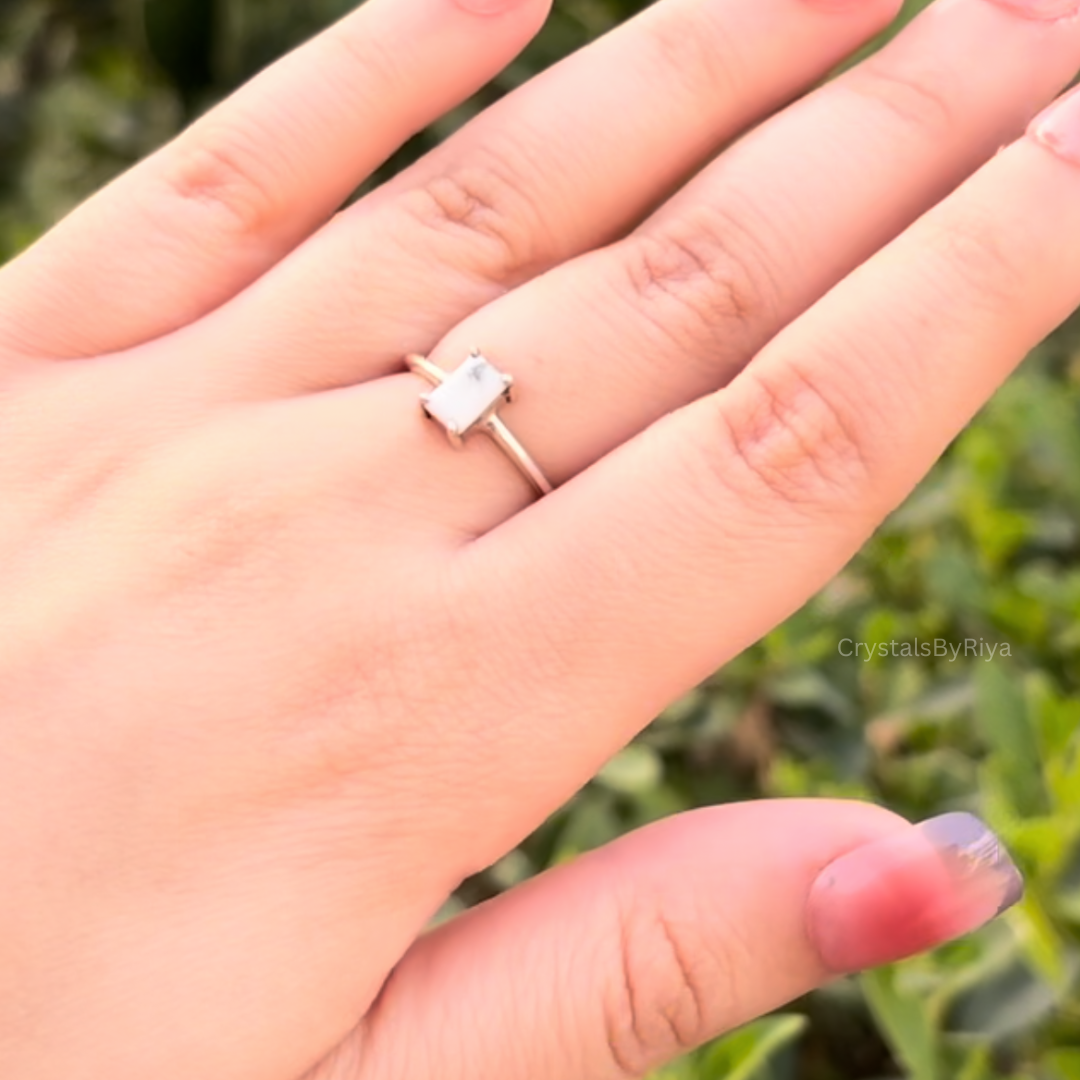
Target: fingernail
[(1042, 9), (488, 7), (1059, 127), (910, 892)]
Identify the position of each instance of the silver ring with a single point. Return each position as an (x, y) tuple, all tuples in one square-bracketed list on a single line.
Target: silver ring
[(467, 400)]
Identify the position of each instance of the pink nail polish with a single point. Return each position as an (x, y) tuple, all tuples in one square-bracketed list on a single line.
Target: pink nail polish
[(1059, 127), (910, 892)]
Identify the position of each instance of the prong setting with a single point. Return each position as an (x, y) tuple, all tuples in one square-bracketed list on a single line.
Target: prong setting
[(468, 400), (469, 396)]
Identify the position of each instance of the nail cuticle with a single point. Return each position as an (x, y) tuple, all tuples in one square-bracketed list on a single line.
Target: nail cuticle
[(1057, 147), (1058, 128)]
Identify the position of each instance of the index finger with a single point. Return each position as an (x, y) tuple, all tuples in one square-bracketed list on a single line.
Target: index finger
[(196, 223)]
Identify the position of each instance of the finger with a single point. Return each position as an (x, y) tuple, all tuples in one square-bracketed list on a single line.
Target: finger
[(612, 342), (196, 223), (568, 162), (698, 537), (669, 937)]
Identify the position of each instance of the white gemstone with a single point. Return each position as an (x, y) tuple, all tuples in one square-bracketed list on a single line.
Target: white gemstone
[(467, 395)]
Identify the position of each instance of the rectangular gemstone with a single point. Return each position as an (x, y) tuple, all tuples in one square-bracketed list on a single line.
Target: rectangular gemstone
[(467, 395)]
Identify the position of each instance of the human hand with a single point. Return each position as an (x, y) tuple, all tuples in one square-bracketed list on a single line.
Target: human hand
[(280, 668)]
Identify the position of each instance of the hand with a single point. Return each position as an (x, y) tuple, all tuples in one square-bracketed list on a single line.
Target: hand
[(280, 668)]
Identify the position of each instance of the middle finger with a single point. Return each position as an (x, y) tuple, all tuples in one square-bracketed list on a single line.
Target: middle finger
[(570, 161)]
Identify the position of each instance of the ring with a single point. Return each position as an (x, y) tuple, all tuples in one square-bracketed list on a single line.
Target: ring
[(467, 400)]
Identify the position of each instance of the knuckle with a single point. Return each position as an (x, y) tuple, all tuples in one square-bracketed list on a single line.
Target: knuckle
[(481, 202), (659, 1008), (918, 99), (701, 277), (791, 440), (222, 170)]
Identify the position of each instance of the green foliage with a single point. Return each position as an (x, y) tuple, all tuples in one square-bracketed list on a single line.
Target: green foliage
[(985, 551), (758, 1051)]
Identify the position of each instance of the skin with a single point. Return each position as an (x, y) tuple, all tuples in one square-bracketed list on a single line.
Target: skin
[(280, 668)]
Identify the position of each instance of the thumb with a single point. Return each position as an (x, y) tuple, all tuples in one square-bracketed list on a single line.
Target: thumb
[(633, 954)]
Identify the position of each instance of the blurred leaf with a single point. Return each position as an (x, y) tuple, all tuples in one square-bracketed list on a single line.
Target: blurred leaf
[(748, 1054), (1002, 714), (1064, 1064), (906, 1022), (635, 771)]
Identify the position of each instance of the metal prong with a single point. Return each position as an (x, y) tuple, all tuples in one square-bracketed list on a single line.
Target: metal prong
[(457, 413)]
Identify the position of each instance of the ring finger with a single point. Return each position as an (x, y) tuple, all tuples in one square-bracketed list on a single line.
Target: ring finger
[(610, 343)]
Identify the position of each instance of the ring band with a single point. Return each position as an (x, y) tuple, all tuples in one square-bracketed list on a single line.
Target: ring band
[(467, 400)]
